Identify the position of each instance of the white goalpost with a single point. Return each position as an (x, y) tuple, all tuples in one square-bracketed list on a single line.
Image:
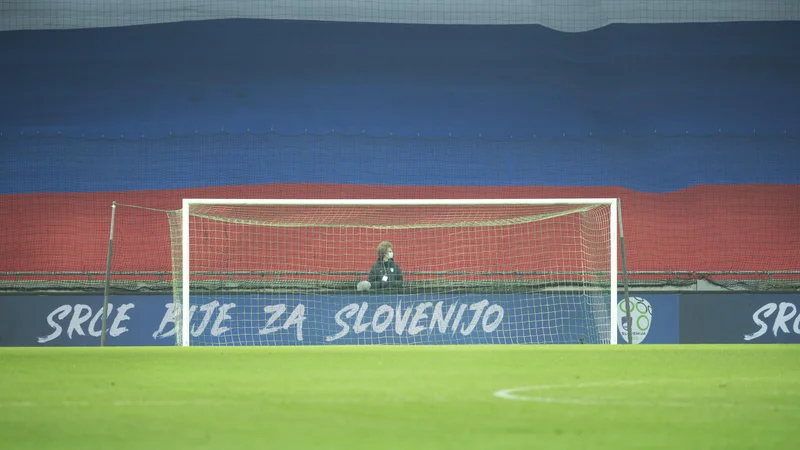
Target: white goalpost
[(464, 271)]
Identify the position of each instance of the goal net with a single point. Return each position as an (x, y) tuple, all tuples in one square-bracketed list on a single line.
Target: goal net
[(325, 272)]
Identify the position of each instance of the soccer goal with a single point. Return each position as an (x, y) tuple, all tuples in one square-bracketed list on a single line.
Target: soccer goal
[(327, 272)]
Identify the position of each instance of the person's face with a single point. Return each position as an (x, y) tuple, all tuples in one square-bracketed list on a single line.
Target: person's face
[(389, 253)]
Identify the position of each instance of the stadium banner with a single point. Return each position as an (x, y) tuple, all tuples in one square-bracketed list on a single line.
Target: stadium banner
[(654, 318), (76, 320), (722, 318), (310, 319)]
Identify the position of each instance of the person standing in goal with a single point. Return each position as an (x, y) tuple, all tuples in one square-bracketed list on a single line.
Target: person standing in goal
[(385, 272)]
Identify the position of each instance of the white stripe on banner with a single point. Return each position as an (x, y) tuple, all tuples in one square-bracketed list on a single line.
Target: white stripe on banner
[(562, 15)]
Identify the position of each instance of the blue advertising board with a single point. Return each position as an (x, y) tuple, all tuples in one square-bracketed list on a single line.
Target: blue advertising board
[(739, 318), (654, 318), (76, 320), (310, 319)]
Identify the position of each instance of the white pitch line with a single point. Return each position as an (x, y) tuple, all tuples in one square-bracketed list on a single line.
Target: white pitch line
[(519, 394), (116, 403), (17, 404), (153, 403)]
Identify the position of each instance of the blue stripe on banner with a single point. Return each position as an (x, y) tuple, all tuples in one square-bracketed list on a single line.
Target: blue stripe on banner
[(403, 79), (722, 80), (651, 164)]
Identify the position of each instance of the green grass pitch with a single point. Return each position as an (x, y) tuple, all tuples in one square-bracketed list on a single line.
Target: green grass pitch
[(373, 397)]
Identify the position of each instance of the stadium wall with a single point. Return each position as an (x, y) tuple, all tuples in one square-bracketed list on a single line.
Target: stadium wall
[(147, 320)]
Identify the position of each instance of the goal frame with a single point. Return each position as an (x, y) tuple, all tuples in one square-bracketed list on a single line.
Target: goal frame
[(615, 220)]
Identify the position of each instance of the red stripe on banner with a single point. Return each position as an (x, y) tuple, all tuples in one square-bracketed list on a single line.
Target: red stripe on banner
[(703, 228)]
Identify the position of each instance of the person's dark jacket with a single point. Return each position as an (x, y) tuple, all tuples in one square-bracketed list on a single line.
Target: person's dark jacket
[(389, 269)]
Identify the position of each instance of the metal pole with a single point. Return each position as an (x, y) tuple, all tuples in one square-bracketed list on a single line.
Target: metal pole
[(108, 275)]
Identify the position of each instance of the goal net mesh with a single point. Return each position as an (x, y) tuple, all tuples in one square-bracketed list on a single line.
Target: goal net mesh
[(293, 274)]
